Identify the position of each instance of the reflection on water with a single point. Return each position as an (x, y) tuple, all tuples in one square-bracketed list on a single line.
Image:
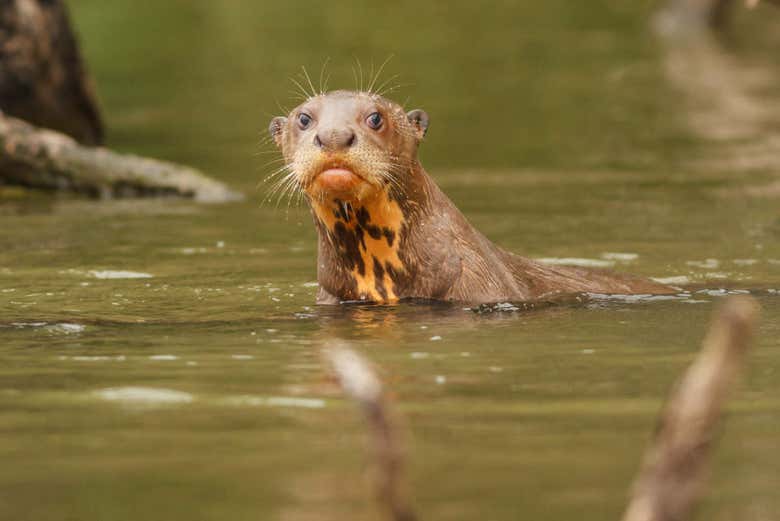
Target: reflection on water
[(162, 359), (730, 102), (724, 104)]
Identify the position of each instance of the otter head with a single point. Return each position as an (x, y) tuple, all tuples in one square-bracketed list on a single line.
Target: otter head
[(349, 146)]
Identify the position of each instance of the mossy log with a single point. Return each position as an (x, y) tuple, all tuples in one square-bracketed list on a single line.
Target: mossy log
[(43, 78), (45, 159)]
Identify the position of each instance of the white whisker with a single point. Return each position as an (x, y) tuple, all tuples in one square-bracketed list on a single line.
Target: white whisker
[(308, 78), (379, 73)]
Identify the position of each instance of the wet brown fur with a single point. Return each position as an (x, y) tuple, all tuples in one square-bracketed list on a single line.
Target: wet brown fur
[(398, 235)]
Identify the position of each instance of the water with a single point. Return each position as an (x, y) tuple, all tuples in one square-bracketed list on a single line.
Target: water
[(161, 359)]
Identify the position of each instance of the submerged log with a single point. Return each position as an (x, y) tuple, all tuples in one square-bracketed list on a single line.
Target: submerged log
[(674, 470), (41, 158), (43, 79)]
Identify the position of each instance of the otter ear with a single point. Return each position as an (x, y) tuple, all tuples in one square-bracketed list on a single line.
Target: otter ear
[(275, 129), (419, 118)]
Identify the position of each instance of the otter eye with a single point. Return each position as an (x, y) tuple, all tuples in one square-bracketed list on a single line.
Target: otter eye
[(374, 120), (304, 120)]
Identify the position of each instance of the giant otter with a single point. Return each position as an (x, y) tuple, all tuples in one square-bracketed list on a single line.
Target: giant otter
[(386, 230)]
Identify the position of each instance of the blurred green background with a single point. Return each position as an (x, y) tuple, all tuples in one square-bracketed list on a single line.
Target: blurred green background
[(508, 85)]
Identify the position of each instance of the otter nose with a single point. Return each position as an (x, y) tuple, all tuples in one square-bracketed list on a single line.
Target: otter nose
[(333, 140)]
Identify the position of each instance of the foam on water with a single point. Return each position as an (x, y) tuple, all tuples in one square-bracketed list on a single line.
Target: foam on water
[(23, 325), (620, 257), (576, 261), (62, 328), (118, 274), (66, 328), (144, 395), (679, 279), (191, 251), (708, 264), (635, 298), (276, 401), (722, 292), (94, 358)]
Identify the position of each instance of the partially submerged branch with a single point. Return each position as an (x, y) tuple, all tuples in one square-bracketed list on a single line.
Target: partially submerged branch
[(674, 469), (44, 81), (362, 385), (40, 158)]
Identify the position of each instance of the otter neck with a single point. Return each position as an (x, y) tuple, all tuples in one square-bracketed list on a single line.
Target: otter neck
[(361, 253)]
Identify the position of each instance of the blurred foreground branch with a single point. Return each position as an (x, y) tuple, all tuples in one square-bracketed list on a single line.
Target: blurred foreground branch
[(674, 471), (362, 385), (41, 158)]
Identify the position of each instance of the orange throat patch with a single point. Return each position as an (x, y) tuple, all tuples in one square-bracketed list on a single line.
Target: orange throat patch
[(366, 236)]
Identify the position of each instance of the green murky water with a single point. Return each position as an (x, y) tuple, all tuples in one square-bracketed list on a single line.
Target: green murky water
[(160, 359)]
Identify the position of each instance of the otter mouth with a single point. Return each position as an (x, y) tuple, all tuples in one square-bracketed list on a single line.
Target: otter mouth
[(338, 179)]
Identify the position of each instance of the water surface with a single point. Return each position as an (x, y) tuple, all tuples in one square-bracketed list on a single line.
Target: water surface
[(161, 359)]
